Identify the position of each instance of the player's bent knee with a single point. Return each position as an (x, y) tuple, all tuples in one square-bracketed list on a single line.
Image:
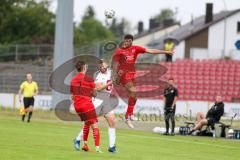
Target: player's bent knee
[(111, 121), (203, 122), (112, 124)]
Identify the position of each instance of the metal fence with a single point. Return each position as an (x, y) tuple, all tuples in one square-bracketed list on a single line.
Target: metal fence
[(25, 52), (17, 60), (18, 53), (13, 74)]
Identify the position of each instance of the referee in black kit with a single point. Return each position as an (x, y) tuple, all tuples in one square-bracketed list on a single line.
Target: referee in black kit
[(170, 99)]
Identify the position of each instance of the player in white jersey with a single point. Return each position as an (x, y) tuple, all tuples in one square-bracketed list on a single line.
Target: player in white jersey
[(103, 106)]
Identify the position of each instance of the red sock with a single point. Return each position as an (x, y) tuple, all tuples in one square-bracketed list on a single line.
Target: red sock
[(86, 129), (96, 136), (131, 103)]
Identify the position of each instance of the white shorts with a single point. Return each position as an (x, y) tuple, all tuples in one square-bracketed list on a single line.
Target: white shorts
[(102, 105)]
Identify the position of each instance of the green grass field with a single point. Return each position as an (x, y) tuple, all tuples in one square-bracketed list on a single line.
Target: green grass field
[(52, 140)]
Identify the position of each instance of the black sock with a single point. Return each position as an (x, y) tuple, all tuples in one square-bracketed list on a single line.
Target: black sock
[(29, 116), (173, 125), (23, 117), (167, 125), (191, 131)]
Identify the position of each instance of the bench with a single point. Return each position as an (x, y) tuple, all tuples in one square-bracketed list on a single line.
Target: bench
[(212, 129), (223, 126), (189, 123)]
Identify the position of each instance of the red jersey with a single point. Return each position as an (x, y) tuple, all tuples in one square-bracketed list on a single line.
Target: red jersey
[(127, 57), (82, 88)]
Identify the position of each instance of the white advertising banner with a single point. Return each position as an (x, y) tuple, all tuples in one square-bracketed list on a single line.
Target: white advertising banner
[(7, 100), (143, 106)]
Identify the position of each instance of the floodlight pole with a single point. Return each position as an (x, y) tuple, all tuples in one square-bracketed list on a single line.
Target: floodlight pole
[(63, 45)]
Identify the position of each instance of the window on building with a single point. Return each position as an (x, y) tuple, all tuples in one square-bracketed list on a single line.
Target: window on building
[(238, 27)]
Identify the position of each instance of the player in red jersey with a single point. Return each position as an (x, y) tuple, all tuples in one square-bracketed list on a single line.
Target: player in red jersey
[(83, 89), (124, 60)]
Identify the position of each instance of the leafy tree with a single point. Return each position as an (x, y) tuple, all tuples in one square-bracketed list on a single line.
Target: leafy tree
[(164, 14), (26, 22), (91, 30), (89, 13)]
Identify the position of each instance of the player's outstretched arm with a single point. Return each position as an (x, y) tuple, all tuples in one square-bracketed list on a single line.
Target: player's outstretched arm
[(156, 51), (100, 87)]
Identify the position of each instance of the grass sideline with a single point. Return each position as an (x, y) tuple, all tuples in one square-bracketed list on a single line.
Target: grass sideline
[(146, 122), (50, 140)]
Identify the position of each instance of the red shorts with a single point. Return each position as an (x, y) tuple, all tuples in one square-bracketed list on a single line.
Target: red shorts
[(86, 112), (127, 77)]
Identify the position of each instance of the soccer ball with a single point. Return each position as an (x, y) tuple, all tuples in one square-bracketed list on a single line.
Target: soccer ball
[(109, 13)]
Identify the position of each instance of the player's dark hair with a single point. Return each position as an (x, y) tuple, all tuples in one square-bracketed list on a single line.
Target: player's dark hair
[(79, 66), (128, 36)]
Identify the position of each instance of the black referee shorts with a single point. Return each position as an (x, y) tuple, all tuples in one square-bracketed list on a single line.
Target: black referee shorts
[(28, 101)]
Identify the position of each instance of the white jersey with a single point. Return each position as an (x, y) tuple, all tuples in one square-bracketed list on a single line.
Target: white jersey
[(102, 100), (103, 78)]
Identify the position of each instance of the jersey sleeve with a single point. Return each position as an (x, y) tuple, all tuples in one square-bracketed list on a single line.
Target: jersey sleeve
[(116, 56), (92, 85), (36, 86), (22, 85), (176, 92), (140, 50)]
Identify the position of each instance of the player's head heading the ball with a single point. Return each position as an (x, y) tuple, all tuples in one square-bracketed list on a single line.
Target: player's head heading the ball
[(81, 66), (128, 39)]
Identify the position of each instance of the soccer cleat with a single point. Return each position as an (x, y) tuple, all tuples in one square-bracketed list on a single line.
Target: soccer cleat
[(85, 147), (112, 149), (191, 132), (129, 123), (172, 134), (98, 150), (166, 133), (76, 144), (133, 118)]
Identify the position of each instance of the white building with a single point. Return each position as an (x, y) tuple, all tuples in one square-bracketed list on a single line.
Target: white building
[(208, 36)]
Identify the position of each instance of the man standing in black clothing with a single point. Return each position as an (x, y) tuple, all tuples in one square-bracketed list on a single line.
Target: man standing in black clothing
[(170, 99), (213, 115)]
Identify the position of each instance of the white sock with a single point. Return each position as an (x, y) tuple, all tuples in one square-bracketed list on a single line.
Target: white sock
[(80, 135), (112, 136)]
